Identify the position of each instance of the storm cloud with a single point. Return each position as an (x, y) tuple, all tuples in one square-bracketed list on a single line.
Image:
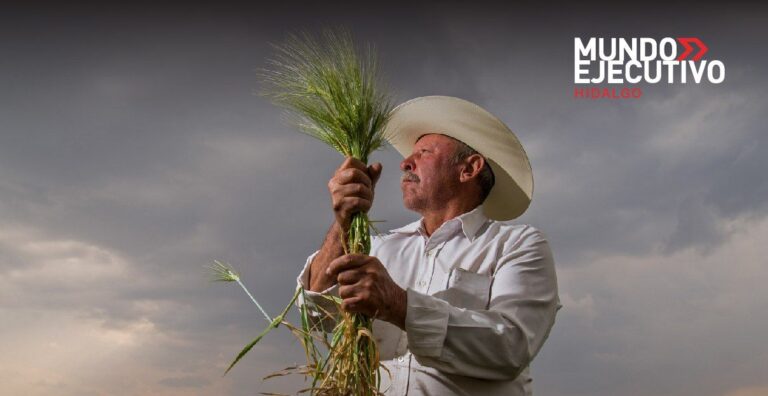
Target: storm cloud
[(135, 149)]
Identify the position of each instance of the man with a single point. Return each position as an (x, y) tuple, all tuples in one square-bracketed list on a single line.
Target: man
[(464, 298)]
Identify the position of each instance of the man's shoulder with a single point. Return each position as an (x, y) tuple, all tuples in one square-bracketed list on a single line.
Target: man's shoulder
[(514, 233)]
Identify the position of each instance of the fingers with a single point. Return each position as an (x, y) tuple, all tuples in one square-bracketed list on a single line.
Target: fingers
[(352, 191), (364, 285), (350, 277), (353, 305), (356, 300), (352, 175), (348, 292), (374, 171), (346, 207), (351, 162), (345, 262), (355, 171)]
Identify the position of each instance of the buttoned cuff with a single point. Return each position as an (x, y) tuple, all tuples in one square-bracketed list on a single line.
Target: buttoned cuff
[(319, 303), (426, 323)]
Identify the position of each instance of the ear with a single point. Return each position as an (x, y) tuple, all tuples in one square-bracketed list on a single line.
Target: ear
[(471, 167)]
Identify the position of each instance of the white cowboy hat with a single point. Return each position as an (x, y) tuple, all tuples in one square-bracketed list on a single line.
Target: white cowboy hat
[(481, 130)]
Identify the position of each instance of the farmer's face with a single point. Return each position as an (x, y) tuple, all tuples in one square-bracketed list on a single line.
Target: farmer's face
[(429, 179)]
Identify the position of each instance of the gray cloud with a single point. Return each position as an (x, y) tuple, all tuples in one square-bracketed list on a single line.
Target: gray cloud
[(134, 150)]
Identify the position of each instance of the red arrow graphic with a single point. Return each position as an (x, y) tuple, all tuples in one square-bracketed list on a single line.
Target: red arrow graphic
[(703, 49), (684, 41), (688, 48)]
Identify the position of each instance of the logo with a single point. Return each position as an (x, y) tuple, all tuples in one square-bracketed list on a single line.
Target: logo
[(613, 61)]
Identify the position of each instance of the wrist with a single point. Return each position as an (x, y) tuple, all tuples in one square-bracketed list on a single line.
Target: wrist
[(319, 280), (342, 224)]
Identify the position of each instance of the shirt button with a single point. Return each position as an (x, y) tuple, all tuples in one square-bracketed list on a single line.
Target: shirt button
[(422, 283), (401, 359)]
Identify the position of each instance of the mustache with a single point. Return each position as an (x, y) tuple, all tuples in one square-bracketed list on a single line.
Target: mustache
[(409, 176)]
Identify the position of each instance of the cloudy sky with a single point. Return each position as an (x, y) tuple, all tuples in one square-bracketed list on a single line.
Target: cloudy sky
[(135, 149)]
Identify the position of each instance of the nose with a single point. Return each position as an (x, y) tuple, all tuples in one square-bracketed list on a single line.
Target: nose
[(407, 164)]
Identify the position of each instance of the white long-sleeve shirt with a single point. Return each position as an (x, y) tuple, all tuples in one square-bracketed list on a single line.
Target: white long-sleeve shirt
[(482, 298)]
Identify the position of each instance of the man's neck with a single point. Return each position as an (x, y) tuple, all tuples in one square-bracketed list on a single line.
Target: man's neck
[(433, 219)]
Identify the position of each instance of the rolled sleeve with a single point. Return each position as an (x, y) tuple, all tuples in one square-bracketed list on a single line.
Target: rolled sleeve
[(426, 323), (320, 306)]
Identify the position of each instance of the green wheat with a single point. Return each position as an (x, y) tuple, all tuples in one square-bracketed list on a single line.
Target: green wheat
[(333, 94)]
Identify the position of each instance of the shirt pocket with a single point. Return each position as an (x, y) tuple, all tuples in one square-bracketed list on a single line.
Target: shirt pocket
[(467, 289)]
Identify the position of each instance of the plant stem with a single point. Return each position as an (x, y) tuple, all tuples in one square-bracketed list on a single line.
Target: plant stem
[(263, 312)]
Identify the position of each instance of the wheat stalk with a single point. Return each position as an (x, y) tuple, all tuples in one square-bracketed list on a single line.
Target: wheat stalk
[(333, 94), (335, 97)]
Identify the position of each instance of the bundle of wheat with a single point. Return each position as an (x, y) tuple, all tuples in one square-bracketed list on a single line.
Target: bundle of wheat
[(333, 95)]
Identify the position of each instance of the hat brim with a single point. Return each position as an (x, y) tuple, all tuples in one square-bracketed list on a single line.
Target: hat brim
[(465, 121)]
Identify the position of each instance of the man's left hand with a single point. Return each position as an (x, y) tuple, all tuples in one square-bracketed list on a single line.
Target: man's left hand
[(365, 287)]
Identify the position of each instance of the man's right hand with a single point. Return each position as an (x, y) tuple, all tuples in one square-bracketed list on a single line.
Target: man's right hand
[(351, 189)]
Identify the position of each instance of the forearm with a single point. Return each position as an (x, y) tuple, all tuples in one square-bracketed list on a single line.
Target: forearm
[(320, 307), (331, 249), (488, 344)]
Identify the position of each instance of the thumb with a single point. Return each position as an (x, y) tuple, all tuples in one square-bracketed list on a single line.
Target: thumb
[(374, 171)]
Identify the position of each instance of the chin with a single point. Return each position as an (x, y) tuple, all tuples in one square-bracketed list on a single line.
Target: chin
[(412, 203), (407, 200), (411, 198)]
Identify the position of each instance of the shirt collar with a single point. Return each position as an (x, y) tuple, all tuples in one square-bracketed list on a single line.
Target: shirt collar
[(470, 222), (409, 228)]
